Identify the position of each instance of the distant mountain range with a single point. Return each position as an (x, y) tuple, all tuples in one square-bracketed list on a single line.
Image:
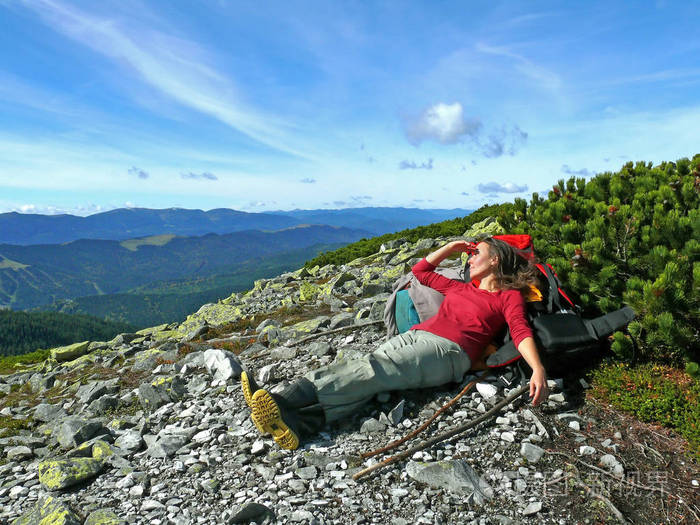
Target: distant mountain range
[(128, 223), (37, 275)]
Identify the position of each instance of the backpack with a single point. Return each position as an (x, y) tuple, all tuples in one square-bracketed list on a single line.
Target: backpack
[(565, 340)]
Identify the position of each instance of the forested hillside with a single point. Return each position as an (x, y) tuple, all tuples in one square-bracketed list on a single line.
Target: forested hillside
[(629, 237), (32, 276), (22, 332)]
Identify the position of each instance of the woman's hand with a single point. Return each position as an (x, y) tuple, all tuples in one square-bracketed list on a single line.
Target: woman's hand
[(539, 391), (462, 247)]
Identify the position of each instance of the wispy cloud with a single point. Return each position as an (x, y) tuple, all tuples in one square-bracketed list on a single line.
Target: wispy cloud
[(571, 171), (205, 175), (412, 165), (138, 172), (494, 187), (174, 66), (537, 73)]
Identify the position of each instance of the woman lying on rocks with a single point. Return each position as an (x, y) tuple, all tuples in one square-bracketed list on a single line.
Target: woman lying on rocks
[(435, 352)]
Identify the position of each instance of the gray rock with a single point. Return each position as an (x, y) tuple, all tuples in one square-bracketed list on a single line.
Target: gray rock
[(341, 320), (40, 382), (103, 404), (532, 508), (319, 348), (45, 412), (309, 472), (46, 508), (169, 440), (611, 462), (283, 353), (74, 431), (267, 374), (532, 453), (88, 393), (249, 512), (586, 450), (19, 453), (456, 476), (372, 425), (222, 364), (130, 441), (396, 414)]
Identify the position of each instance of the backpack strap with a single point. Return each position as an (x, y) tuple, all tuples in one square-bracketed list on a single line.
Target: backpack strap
[(553, 295)]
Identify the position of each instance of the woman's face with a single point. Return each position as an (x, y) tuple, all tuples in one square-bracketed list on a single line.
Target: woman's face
[(482, 263)]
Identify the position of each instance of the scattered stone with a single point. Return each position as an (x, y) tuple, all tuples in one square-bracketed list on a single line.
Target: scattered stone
[(586, 450), (396, 414), (250, 512), (19, 453), (75, 431), (456, 476), (532, 508), (222, 364), (372, 425), (532, 453), (129, 441)]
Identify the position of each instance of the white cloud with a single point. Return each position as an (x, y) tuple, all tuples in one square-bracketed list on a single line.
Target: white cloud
[(442, 123), (494, 187)]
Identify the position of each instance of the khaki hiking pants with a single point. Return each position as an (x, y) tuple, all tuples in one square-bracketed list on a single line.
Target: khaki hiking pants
[(414, 359)]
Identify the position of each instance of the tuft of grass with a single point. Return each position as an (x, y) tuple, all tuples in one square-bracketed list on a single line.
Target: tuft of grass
[(10, 426), (653, 393), (10, 364)]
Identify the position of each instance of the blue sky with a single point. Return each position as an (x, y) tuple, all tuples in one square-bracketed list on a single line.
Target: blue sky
[(279, 105)]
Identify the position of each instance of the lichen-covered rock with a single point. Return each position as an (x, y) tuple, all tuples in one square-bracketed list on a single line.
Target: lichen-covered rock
[(103, 517), (163, 390), (486, 228), (70, 352), (49, 511), (57, 474)]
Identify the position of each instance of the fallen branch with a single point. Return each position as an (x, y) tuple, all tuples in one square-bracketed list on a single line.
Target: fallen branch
[(446, 435), (425, 425)]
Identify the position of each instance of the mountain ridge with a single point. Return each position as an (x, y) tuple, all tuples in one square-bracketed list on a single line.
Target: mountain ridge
[(128, 223)]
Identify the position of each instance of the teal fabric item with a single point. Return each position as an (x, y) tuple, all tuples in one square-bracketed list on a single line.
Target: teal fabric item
[(406, 314)]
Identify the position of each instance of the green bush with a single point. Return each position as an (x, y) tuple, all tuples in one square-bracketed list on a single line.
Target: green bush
[(653, 393)]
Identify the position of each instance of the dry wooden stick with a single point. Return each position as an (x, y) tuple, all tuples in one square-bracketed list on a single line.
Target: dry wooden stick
[(425, 425), (446, 435)]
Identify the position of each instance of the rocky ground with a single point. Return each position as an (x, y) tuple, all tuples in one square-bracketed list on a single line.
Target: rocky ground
[(152, 428)]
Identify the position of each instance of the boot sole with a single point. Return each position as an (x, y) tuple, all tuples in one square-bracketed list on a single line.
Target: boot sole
[(248, 396), (268, 414)]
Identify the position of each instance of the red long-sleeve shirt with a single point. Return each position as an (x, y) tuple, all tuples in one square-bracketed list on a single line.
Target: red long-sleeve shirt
[(469, 316)]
